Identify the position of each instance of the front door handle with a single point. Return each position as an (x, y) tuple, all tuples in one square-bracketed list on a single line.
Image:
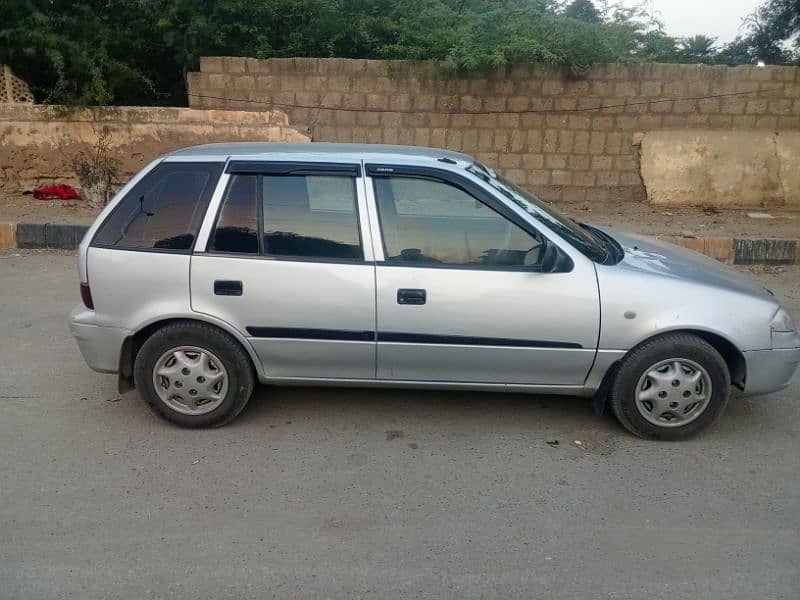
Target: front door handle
[(411, 296), (227, 288)]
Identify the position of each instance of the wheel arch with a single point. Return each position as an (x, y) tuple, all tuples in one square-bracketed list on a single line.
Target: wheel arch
[(733, 357), (133, 343)]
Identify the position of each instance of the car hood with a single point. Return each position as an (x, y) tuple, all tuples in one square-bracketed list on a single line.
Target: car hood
[(668, 260)]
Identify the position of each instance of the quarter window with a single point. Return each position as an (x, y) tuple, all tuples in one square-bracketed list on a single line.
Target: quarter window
[(432, 222), (163, 210), (237, 226), (309, 216)]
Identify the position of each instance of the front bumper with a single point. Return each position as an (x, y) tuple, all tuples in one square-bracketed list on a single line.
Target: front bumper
[(770, 370), (99, 345)]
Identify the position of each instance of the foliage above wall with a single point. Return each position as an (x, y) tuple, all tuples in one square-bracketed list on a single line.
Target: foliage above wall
[(139, 51)]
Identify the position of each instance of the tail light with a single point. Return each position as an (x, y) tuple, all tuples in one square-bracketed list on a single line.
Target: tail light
[(86, 296)]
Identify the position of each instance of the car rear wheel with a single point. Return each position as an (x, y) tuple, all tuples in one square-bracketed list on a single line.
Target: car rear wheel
[(670, 387), (194, 375)]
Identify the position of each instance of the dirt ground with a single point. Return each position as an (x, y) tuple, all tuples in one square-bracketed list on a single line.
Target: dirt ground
[(17, 208), (695, 221), (690, 221)]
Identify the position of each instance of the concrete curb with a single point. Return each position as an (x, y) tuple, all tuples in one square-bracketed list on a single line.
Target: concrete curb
[(53, 236), (731, 251), (742, 251)]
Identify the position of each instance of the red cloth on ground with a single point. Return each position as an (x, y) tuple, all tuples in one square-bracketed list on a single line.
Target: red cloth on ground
[(58, 191)]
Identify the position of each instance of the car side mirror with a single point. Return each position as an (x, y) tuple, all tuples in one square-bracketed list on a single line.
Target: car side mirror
[(553, 259)]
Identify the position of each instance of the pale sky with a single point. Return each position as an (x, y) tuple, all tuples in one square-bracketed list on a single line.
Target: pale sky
[(716, 18)]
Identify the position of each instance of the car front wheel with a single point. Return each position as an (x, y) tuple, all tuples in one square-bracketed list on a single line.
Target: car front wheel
[(194, 375), (670, 387)]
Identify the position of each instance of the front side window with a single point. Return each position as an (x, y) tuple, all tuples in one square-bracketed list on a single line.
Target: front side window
[(424, 221), (544, 213), (164, 210), (303, 216)]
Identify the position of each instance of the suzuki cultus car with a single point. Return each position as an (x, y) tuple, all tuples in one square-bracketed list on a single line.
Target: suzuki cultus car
[(220, 266)]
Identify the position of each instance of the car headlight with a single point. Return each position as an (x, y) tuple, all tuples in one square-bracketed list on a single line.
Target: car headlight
[(782, 322)]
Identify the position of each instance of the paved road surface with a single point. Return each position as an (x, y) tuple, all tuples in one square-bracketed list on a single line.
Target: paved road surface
[(375, 494)]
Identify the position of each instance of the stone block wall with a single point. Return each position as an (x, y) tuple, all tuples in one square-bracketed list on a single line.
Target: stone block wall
[(36, 140), (568, 138)]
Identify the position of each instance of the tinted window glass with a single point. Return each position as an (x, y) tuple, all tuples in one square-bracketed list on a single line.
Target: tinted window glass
[(426, 221), (310, 216), (423, 197), (574, 233), (331, 193), (237, 226), (163, 210)]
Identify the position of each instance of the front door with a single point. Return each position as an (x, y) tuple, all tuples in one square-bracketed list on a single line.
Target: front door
[(285, 264), (460, 297)]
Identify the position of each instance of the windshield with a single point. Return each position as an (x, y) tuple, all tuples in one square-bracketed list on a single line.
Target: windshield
[(560, 224)]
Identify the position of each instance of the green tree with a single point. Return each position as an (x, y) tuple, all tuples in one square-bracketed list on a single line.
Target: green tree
[(583, 10), (773, 23), (781, 18), (139, 51), (698, 49), (738, 52), (68, 52)]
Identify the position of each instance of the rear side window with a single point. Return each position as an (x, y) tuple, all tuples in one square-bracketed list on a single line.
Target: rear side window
[(310, 216), (302, 216), (164, 210)]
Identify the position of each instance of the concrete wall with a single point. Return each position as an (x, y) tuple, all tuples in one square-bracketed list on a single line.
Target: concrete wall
[(722, 168), (568, 138), (30, 136)]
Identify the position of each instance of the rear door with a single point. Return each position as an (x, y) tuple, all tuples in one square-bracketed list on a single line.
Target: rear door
[(460, 295), (287, 265)]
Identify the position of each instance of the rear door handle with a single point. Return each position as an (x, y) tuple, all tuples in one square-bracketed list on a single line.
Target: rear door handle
[(227, 288), (411, 296)]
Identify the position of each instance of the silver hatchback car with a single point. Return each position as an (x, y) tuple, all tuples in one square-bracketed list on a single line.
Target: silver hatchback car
[(334, 264)]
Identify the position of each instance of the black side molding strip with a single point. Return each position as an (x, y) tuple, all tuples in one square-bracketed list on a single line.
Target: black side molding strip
[(406, 338), (463, 340), (302, 333), (258, 167)]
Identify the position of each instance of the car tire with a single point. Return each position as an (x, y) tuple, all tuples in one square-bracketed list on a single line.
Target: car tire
[(194, 375), (670, 387)]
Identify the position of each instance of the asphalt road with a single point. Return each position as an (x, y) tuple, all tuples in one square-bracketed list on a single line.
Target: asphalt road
[(375, 494)]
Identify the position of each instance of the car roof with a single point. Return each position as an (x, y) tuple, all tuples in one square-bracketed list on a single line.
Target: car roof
[(320, 150)]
